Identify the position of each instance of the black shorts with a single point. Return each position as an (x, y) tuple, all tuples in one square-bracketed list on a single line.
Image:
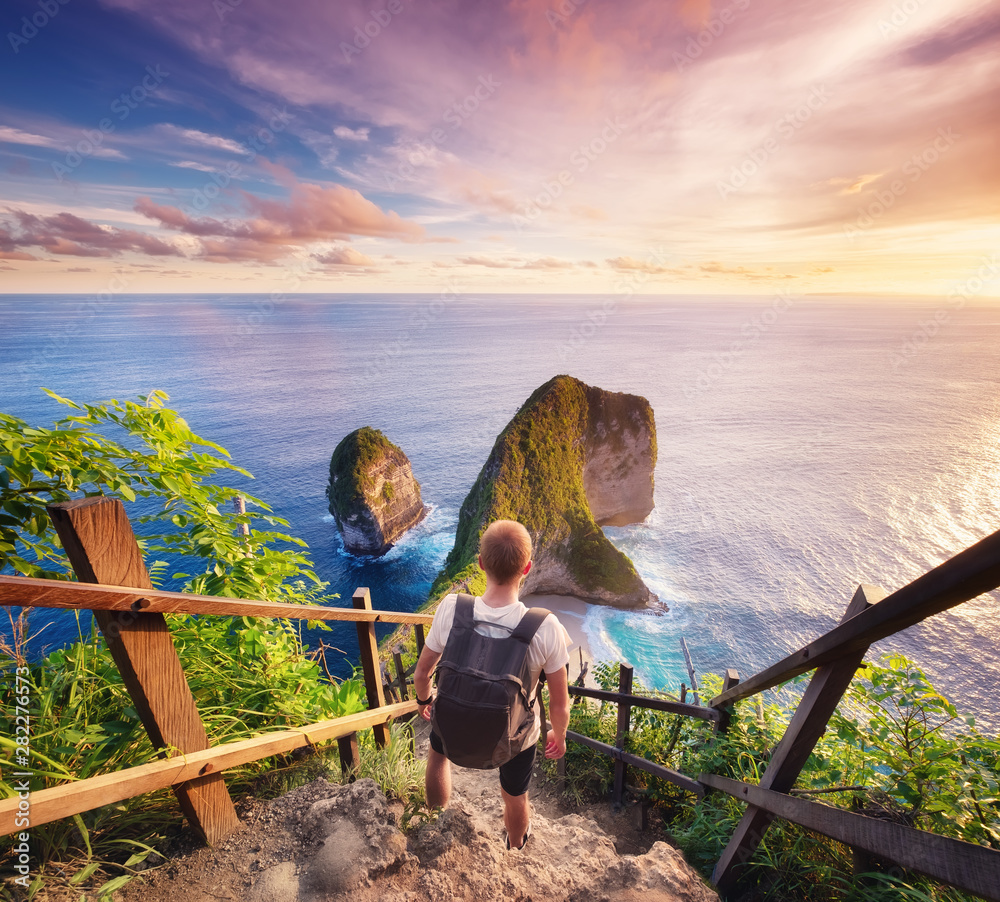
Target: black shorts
[(515, 775)]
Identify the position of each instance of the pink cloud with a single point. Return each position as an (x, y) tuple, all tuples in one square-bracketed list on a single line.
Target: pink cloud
[(240, 250), (273, 228), (478, 189), (344, 256), (317, 213), (630, 264), (714, 268), (699, 87), (176, 219), (549, 263), (8, 247), (66, 234)]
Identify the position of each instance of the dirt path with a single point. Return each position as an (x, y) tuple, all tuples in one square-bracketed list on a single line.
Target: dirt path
[(326, 841)]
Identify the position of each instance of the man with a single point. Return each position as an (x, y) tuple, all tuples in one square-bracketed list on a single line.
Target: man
[(505, 557)]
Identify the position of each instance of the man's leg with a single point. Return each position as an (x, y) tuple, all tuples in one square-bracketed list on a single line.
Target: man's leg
[(515, 776), (437, 783), (516, 817)]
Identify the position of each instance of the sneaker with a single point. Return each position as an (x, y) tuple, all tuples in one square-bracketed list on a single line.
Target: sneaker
[(527, 836)]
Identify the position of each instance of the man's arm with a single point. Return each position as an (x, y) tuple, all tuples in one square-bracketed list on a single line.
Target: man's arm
[(558, 712), (422, 678)]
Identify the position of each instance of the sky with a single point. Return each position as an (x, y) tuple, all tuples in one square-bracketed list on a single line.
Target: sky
[(705, 147)]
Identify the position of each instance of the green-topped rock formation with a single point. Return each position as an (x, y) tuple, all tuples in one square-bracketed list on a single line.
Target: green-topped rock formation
[(573, 458), (373, 495)]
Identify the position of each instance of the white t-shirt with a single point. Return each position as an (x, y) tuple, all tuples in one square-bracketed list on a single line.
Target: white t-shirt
[(549, 649)]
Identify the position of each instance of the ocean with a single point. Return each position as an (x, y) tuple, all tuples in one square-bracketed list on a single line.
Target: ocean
[(806, 445)]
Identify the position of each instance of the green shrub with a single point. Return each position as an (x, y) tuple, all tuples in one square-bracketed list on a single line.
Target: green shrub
[(896, 748), (398, 773), (247, 674)]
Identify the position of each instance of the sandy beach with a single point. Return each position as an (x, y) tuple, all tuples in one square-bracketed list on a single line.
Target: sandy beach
[(571, 612)]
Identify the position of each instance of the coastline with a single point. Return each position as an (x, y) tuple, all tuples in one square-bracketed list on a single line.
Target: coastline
[(571, 612)]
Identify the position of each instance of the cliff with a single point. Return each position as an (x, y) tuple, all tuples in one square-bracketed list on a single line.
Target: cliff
[(574, 458), (373, 495)]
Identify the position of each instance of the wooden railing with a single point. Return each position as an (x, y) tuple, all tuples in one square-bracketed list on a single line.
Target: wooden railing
[(114, 585), (626, 701), (835, 656)]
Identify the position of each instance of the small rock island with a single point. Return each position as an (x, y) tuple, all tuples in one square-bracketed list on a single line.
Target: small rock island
[(373, 495), (573, 458)]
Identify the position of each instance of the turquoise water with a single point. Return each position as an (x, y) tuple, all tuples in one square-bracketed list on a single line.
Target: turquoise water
[(804, 446)]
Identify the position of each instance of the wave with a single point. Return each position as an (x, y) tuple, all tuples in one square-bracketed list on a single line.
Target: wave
[(430, 540)]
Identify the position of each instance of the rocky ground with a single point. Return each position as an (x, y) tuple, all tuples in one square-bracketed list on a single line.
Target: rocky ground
[(326, 841)]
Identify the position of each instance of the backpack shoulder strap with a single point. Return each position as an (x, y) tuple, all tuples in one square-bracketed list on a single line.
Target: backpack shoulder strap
[(529, 624), (465, 609), (463, 626)]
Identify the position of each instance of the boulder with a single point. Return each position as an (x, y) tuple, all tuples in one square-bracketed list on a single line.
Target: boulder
[(373, 496), (574, 458)]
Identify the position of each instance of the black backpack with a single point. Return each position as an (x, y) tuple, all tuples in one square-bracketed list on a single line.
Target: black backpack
[(483, 711)]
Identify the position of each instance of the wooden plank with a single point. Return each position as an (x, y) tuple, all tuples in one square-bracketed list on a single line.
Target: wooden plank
[(641, 701), (368, 652), (963, 577), (76, 797), (968, 867), (101, 546), (807, 725), (656, 770), (48, 593), (625, 676)]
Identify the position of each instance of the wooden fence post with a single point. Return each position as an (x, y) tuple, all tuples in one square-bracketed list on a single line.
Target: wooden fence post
[(349, 756), (101, 546), (624, 716), (808, 724), (368, 649), (730, 678), (397, 661)]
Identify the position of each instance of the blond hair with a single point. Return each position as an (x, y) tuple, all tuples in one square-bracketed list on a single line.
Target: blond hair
[(505, 550)]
